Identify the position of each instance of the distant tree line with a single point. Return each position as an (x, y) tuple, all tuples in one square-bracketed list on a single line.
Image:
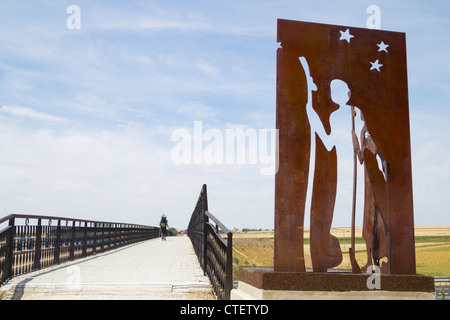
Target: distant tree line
[(247, 230)]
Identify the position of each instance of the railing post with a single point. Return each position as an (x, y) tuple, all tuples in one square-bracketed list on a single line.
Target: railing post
[(38, 246), (94, 249), (116, 235), (85, 229), (229, 266), (204, 219), (10, 248), (103, 237), (57, 251), (121, 231), (204, 238), (72, 242)]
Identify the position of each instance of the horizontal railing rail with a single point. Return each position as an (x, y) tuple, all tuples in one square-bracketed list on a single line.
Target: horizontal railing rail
[(31, 242), (440, 280), (214, 253), (442, 288)]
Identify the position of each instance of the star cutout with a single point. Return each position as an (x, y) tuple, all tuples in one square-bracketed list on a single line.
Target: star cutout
[(382, 46), (376, 65), (346, 35)]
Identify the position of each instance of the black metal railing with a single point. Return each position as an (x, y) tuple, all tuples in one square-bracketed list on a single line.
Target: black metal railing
[(30, 242), (442, 288), (214, 253)]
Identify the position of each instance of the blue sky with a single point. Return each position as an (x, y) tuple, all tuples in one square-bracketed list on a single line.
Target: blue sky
[(86, 116)]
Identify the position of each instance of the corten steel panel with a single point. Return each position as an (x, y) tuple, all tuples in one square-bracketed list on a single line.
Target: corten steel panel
[(376, 76)]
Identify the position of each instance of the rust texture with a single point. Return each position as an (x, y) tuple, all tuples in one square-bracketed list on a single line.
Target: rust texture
[(372, 65), (267, 279)]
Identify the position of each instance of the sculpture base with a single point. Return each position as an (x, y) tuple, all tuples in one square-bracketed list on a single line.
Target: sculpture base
[(263, 283)]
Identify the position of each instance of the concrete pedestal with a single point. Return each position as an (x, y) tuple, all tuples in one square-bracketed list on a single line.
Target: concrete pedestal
[(260, 283)]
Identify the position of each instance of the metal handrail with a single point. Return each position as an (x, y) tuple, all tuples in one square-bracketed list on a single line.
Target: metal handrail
[(217, 222), (214, 253), (25, 216), (26, 247), (441, 280)]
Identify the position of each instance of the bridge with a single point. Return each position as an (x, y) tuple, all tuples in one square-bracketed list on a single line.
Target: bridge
[(43, 257)]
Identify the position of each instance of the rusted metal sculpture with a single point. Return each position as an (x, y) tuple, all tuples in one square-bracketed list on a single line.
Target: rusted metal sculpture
[(371, 65)]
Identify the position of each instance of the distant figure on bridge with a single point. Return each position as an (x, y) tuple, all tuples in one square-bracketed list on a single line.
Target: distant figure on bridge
[(164, 224)]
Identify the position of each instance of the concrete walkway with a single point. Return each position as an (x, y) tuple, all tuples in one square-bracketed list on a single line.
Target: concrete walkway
[(152, 270)]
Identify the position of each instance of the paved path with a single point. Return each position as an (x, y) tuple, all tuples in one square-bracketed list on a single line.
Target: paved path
[(152, 269)]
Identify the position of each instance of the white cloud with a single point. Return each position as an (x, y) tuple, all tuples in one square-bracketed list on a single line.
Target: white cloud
[(93, 104), (24, 112), (181, 22), (197, 110), (207, 68)]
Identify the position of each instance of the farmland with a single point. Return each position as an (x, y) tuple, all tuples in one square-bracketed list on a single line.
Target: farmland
[(255, 248)]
